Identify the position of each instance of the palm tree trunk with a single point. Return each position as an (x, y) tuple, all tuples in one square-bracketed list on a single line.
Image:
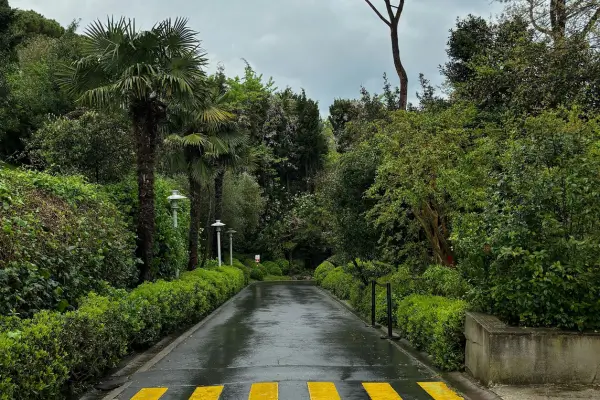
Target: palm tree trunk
[(195, 206), (219, 178), (146, 136)]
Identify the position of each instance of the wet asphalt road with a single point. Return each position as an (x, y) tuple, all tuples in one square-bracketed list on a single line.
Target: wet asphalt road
[(287, 333)]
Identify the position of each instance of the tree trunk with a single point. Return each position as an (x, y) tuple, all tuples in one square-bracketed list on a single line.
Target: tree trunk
[(146, 136), (219, 178), (399, 68), (558, 19), (195, 206)]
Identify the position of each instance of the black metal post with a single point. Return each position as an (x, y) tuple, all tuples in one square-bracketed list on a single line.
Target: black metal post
[(389, 309), (373, 304)]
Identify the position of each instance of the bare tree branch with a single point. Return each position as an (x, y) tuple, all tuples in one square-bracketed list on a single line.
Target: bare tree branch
[(591, 23), (399, 10), (534, 22), (388, 23)]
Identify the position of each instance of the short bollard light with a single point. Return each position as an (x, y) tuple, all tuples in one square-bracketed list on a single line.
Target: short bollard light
[(231, 232), (218, 225), (174, 200)]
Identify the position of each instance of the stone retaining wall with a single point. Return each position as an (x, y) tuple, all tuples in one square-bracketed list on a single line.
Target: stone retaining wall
[(500, 354)]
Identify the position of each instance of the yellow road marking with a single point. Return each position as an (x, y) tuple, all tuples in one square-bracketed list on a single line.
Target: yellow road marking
[(381, 391), (323, 391), (439, 391), (264, 391), (207, 393), (149, 394)]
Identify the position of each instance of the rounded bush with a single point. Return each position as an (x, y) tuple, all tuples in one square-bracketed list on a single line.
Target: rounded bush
[(322, 270), (60, 238), (284, 265), (340, 283), (258, 272), (272, 268)]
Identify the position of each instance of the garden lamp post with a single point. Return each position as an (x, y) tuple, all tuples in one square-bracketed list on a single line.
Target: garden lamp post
[(218, 225), (231, 232), (174, 199)]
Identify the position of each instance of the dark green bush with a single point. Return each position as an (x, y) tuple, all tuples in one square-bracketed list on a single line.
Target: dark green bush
[(536, 212), (272, 268), (258, 272), (59, 239), (434, 324), (340, 283), (170, 244), (63, 352), (438, 280), (284, 265), (322, 271)]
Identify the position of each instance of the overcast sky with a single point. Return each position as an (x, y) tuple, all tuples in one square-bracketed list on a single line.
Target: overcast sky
[(328, 47)]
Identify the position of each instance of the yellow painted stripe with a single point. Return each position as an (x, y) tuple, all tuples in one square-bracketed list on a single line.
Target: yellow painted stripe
[(323, 391), (381, 391), (207, 393), (439, 391), (264, 391), (149, 394)]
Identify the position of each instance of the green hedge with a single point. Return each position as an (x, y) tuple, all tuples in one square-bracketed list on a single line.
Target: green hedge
[(60, 238), (322, 270), (340, 283), (273, 268), (434, 324), (54, 355), (258, 272)]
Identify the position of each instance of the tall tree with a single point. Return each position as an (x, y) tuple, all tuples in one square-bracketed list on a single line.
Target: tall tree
[(142, 71), (558, 19), (199, 140), (394, 13)]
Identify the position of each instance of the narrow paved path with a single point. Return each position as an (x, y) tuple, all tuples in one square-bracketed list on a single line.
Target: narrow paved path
[(292, 338)]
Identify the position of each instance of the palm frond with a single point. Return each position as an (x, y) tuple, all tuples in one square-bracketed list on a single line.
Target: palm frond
[(201, 170), (177, 36)]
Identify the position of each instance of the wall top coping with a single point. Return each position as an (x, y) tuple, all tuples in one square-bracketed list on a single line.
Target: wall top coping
[(494, 326)]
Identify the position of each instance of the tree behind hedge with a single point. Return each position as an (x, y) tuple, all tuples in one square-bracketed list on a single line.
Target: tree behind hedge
[(143, 72)]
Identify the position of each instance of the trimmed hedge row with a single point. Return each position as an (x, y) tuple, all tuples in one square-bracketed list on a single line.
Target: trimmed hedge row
[(434, 324), (431, 323), (53, 355)]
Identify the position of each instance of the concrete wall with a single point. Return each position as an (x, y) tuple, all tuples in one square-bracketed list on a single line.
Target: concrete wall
[(500, 354)]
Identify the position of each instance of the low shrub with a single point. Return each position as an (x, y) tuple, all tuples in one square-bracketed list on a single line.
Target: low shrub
[(322, 271), (434, 324), (438, 280), (60, 238), (272, 268), (258, 272), (340, 283), (63, 352), (284, 265)]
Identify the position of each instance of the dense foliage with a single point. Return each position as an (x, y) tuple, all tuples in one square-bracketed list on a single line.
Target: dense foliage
[(59, 239), (63, 352)]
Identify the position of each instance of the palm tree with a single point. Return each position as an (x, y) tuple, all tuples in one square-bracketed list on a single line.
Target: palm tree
[(143, 72), (203, 138)]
